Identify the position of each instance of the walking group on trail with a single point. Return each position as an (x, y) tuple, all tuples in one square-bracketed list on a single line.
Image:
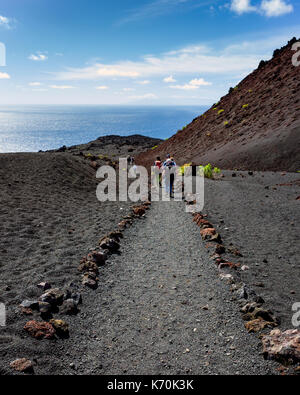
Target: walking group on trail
[(165, 173)]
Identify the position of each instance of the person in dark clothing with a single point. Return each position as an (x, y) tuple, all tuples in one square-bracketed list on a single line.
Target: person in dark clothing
[(170, 167)]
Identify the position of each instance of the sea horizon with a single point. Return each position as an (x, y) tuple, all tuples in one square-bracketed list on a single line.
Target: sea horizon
[(41, 127)]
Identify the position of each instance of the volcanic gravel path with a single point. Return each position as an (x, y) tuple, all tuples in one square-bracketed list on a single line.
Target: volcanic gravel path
[(162, 309)]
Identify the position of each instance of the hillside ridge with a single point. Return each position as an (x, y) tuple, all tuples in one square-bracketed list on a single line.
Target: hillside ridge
[(255, 126)]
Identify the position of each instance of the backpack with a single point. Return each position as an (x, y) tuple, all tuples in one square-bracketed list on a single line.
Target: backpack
[(158, 164)]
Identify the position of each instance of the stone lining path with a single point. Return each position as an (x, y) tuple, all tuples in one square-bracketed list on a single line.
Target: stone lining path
[(161, 308)]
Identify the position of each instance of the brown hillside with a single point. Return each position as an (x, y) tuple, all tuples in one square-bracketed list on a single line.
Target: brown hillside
[(255, 126)]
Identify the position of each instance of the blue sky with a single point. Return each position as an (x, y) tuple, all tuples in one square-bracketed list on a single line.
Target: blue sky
[(131, 52)]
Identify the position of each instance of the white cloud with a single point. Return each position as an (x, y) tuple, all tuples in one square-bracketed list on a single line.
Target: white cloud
[(169, 79), (242, 6), (62, 87), (38, 57), (190, 49), (5, 22), (185, 87), (276, 7), (128, 89), (269, 8), (40, 90), (145, 82), (192, 85), (199, 82), (238, 58), (179, 62), (102, 88), (34, 84), (4, 76)]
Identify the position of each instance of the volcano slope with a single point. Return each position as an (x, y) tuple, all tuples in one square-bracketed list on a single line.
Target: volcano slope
[(255, 126)]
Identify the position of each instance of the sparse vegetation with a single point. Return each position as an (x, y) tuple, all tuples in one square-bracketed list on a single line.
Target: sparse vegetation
[(208, 171), (245, 105)]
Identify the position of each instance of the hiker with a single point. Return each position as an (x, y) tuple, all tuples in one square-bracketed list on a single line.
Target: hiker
[(157, 169), (169, 171)]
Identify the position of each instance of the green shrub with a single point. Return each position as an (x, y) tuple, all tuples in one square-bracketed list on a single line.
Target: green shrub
[(245, 105), (220, 111), (208, 172)]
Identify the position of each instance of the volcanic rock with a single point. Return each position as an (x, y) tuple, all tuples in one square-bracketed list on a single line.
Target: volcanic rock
[(283, 347), (54, 296), (61, 327), (40, 330), (69, 307), (23, 365)]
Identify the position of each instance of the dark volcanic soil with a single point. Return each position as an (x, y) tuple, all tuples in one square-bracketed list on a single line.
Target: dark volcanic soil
[(259, 215), (255, 126), (114, 147), (160, 306)]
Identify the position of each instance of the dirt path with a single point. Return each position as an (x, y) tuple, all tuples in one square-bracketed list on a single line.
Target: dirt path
[(147, 316)]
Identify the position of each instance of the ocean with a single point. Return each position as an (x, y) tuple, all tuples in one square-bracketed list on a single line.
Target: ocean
[(34, 128)]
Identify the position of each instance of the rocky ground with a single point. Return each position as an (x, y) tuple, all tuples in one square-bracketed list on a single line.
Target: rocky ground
[(113, 147), (159, 305)]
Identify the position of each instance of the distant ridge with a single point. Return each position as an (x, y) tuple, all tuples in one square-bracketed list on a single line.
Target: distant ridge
[(255, 126)]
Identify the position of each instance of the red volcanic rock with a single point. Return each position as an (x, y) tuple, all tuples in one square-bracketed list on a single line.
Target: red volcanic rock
[(207, 233), (230, 265), (210, 234), (197, 217), (257, 325), (282, 346), (109, 244), (98, 257), (88, 266), (139, 211), (26, 311), (221, 263), (90, 280), (203, 223), (22, 365), (40, 330)]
